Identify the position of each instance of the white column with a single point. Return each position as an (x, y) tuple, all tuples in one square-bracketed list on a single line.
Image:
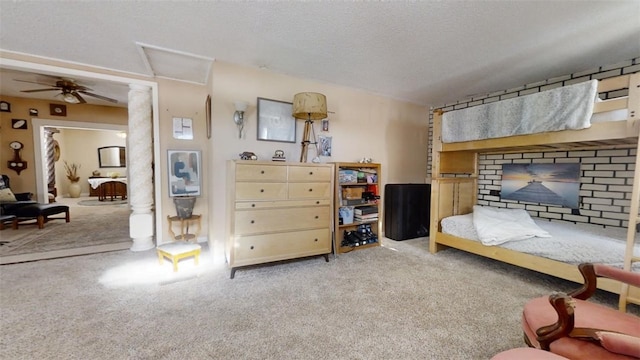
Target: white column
[(140, 177)]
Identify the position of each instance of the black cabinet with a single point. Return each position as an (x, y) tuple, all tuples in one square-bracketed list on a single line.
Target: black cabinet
[(406, 211)]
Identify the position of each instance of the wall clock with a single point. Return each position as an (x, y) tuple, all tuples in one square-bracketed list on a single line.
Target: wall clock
[(19, 124), (58, 109), (5, 106), (17, 164)]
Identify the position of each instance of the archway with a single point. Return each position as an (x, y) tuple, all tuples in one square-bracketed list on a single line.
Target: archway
[(61, 71)]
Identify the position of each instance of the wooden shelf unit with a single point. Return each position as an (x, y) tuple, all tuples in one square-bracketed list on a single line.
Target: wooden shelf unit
[(339, 201)]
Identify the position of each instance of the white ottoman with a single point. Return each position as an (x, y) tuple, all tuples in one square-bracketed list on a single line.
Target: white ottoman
[(177, 250)]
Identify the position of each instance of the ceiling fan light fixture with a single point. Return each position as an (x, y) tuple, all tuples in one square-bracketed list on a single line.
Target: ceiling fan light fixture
[(70, 98)]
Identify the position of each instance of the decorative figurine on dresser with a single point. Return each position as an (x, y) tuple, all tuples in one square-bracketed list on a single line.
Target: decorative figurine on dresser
[(278, 211)]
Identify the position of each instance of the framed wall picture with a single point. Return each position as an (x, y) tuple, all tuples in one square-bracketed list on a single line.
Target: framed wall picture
[(19, 124), (207, 109), (324, 145), (184, 172), (58, 109), (556, 183), (275, 122)]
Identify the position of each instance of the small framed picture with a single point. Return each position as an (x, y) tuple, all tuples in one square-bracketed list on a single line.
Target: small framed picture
[(207, 109), (33, 112), (275, 122), (58, 109), (325, 125), (5, 106), (19, 124), (184, 172), (324, 145)]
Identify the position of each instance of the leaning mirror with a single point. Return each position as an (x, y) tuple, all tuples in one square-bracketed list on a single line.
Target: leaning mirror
[(112, 156)]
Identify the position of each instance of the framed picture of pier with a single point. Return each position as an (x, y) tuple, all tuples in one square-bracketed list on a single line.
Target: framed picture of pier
[(556, 184)]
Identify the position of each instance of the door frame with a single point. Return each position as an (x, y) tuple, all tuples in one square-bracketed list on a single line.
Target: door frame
[(62, 71)]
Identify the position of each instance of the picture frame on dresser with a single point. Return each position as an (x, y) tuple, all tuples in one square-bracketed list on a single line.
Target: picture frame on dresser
[(275, 121), (184, 172)]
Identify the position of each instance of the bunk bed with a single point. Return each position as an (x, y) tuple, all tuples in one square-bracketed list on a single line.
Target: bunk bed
[(455, 175)]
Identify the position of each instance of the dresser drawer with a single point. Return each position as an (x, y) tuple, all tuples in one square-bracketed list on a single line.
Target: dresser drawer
[(261, 172), (276, 220), (258, 249), (261, 191), (309, 190), (309, 173), (281, 204)]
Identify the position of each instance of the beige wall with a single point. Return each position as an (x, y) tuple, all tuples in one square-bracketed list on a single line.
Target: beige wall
[(184, 100), (26, 181), (391, 132), (81, 147)]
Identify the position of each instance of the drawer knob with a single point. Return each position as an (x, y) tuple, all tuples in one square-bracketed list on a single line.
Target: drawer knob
[(316, 240), (261, 190), (251, 247), (310, 172), (317, 216), (253, 205), (262, 172), (317, 202), (253, 221), (310, 190)]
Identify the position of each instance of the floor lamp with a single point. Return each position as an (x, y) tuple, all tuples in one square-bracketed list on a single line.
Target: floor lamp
[(309, 106)]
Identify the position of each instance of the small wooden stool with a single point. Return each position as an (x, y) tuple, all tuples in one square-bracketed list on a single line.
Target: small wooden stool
[(175, 251)]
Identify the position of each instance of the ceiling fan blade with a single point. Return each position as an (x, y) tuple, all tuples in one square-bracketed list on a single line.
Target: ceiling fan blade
[(33, 82), (39, 90), (80, 98), (99, 96)]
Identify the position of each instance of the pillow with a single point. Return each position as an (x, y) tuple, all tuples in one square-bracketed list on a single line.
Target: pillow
[(497, 226), (6, 195), (619, 343)]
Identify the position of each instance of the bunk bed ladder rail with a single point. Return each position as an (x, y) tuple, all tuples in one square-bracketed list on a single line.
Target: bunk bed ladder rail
[(630, 257)]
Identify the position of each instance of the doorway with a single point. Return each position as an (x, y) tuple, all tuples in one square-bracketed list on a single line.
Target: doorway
[(38, 135)]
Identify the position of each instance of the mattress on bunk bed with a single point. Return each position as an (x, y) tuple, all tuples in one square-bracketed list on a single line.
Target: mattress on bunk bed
[(569, 243), (565, 108)]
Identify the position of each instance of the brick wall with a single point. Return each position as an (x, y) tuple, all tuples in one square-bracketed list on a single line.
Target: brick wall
[(606, 175)]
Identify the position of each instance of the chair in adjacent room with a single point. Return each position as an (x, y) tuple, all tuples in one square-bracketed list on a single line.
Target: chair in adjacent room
[(18, 207), (10, 201), (570, 326)]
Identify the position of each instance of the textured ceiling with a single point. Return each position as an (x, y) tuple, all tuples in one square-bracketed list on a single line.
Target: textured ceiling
[(429, 52)]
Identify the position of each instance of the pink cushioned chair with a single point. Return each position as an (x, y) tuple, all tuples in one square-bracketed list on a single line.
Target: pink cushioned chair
[(527, 354), (570, 326)]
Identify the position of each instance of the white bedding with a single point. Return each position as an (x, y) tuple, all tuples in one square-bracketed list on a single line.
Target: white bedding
[(567, 107), (569, 243), (496, 226)]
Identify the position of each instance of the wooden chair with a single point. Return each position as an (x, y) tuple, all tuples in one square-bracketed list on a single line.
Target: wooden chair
[(570, 326)]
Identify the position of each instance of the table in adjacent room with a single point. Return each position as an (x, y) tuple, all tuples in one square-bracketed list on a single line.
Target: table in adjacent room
[(109, 187)]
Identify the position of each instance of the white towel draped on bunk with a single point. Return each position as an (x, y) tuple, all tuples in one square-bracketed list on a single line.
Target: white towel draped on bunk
[(567, 107)]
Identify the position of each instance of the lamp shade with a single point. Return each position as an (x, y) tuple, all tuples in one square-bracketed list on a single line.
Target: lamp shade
[(309, 106), (241, 105)]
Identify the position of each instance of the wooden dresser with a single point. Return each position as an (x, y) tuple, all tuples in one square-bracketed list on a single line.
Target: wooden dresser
[(108, 187), (277, 211)]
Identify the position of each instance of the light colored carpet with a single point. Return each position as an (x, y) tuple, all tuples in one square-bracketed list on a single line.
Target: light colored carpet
[(94, 202), (392, 302)]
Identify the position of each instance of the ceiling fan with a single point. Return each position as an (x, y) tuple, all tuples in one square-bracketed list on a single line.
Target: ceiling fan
[(70, 91)]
